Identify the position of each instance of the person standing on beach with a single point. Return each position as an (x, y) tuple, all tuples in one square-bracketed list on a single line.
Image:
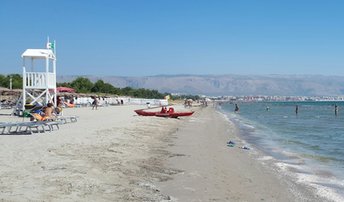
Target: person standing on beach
[(296, 109), (95, 103), (59, 105)]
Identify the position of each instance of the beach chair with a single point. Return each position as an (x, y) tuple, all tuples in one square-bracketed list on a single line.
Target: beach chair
[(51, 125), (52, 121), (7, 127), (3, 126), (25, 127), (35, 126), (65, 119), (28, 127)]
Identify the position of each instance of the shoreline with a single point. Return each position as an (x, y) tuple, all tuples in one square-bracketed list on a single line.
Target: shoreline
[(111, 154), (212, 171), (320, 178)]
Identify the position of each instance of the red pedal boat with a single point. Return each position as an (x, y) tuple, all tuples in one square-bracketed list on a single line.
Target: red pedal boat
[(163, 113)]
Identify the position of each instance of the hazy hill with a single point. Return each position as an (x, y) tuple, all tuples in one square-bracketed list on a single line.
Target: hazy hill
[(230, 84)]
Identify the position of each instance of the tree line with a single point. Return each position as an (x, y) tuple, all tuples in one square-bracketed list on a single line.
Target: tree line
[(17, 81), (84, 85)]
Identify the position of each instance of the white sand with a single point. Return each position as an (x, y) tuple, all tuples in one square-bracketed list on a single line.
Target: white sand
[(111, 154), (105, 156)]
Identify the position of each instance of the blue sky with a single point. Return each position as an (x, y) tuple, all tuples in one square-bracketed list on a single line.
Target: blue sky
[(143, 37)]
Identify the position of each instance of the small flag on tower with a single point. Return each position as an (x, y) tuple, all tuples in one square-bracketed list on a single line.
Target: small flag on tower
[(50, 45)]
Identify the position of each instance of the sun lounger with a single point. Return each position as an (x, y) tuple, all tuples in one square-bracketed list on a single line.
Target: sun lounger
[(25, 127), (3, 127), (51, 125), (7, 127), (29, 127), (65, 119)]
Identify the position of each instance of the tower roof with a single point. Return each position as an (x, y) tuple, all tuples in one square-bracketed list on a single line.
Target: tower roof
[(39, 53)]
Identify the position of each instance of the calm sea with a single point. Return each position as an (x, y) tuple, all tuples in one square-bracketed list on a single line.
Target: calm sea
[(308, 145)]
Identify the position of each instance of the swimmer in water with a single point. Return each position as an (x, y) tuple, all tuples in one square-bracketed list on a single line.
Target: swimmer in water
[(236, 108)]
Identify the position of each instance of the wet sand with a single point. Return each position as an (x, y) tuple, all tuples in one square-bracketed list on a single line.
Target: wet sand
[(212, 171)]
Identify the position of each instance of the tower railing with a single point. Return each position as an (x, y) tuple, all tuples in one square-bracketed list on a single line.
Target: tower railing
[(40, 80)]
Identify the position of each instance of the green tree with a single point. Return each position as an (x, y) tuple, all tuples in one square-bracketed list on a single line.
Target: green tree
[(108, 88), (82, 85), (101, 86), (17, 81), (127, 91), (98, 86), (2, 80)]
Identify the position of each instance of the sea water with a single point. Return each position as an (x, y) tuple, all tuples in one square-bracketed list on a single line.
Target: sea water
[(309, 145)]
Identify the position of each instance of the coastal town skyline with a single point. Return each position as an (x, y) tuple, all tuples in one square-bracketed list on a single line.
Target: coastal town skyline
[(143, 38)]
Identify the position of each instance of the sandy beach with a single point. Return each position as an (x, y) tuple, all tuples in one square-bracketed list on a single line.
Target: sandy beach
[(111, 154), (212, 171)]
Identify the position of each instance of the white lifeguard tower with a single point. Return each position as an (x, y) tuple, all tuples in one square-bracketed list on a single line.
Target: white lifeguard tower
[(39, 80)]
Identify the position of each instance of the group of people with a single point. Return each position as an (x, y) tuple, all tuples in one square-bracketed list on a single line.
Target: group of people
[(45, 113), (335, 109), (164, 110), (49, 112), (236, 109)]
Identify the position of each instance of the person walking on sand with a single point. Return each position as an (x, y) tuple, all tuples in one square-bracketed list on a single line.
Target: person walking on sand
[(95, 103)]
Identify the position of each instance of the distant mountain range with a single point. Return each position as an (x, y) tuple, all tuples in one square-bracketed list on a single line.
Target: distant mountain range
[(288, 85)]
